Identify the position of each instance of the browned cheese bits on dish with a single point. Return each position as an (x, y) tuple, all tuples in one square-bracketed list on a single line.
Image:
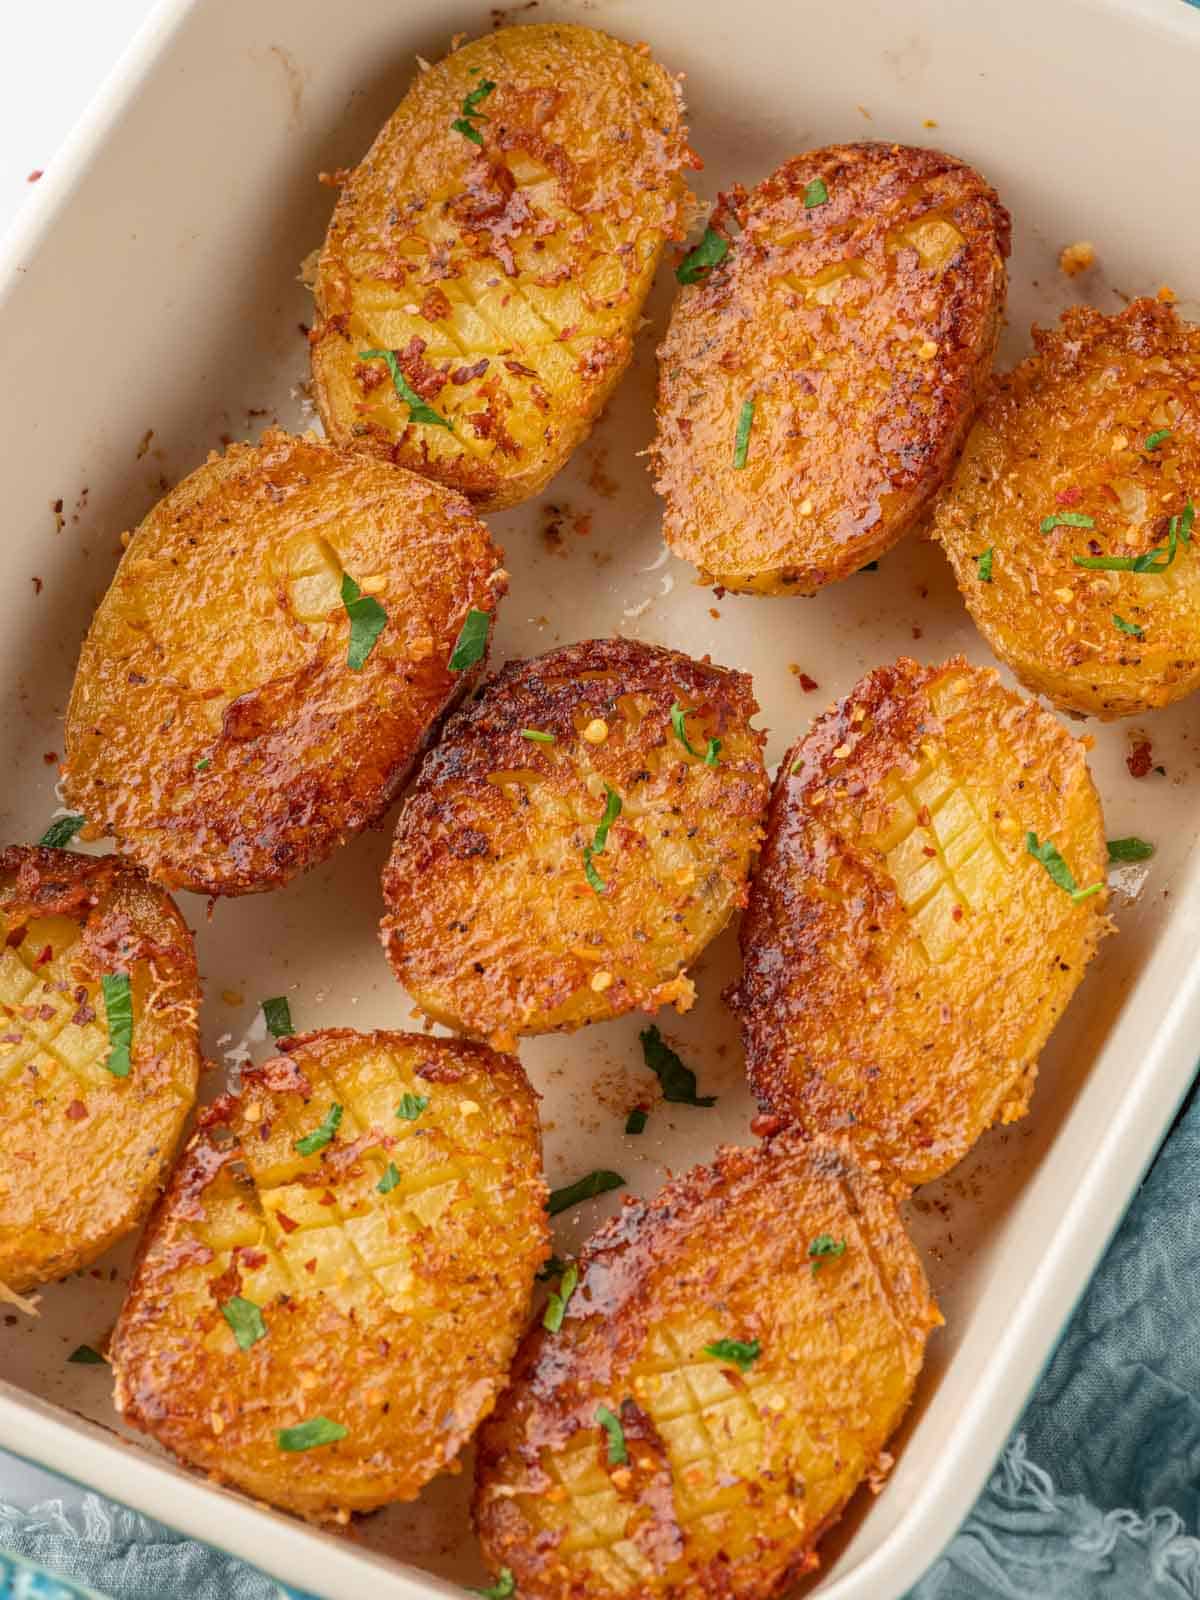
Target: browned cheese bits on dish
[(486, 266), (731, 1365), (929, 894), (99, 1055), (280, 637), (331, 1290), (1069, 520), (578, 836), (817, 381)]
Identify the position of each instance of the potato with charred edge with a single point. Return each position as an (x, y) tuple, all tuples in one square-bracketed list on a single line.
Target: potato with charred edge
[(1069, 520), (281, 636), (578, 836), (330, 1293), (487, 263), (931, 889), (733, 1361), (99, 1055), (817, 381)]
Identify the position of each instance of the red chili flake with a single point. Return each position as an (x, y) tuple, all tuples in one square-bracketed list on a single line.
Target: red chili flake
[(765, 1125), (806, 683), (923, 816), (462, 375), (46, 956), (328, 1199), (311, 1266), (16, 936), (928, 850), (1069, 497), (1140, 759), (520, 370), (38, 172), (49, 757), (251, 1259), (77, 1111), (285, 1222), (957, 913)]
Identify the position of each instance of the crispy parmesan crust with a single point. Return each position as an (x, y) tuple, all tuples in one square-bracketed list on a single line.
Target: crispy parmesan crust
[(862, 330)]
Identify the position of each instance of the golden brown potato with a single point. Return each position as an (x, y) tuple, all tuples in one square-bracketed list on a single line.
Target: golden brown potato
[(564, 855), (98, 1055), (494, 250), (237, 712), (330, 1293), (816, 383), (734, 1359), (906, 954), (1089, 452)]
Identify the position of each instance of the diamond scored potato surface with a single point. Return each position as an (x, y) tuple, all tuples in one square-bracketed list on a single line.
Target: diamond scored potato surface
[(905, 957), (862, 329), (82, 1152), (1065, 434), (392, 1314), (508, 275), (731, 1476)]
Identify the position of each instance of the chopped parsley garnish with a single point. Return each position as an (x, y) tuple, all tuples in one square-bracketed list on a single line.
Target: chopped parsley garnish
[(598, 1182), (741, 439), (277, 1014), (1058, 869), (612, 810), (504, 1587), (321, 1136), (389, 1180), (203, 764), (1130, 849), (712, 750), (1067, 519), (825, 1248), (367, 620), (61, 831), (308, 1435), (554, 1268), (84, 1356), (246, 1320), (1179, 530), (617, 1453), (635, 1122), (1153, 440), (1127, 627), (742, 1356), (713, 248), (985, 565), (678, 1082), (815, 194), (118, 1012), (471, 114), (472, 640), (556, 1306), (418, 411), (537, 736), (411, 1106)]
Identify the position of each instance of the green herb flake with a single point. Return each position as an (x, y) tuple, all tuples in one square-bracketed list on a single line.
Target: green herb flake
[(389, 1180), (678, 1082), (1059, 871), (1153, 440), (504, 1587), (411, 1106), (203, 764), (815, 194), (711, 250), (635, 1122), (246, 1320), (367, 620), (742, 1356), (418, 411), (618, 1455), (598, 1182), (1127, 627), (472, 640), (741, 439), (277, 1014), (321, 1136), (1130, 849), (61, 831), (536, 736), (556, 1306), (467, 129), (1067, 519), (554, 1268), (612, 810), (825, 1248), (985, 565), (310, 1435), (595, 881), (712, 749), (118, 1012), (84, 1356), (471, 114), (1179, 530)]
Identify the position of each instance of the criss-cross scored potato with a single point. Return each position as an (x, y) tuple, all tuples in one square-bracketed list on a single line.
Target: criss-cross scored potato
[(731, 1365), (906, 954), (487, 263), (816, 383), (239, 709), (564, 854), (330, 1293), (1089, 451), (99, 1055)]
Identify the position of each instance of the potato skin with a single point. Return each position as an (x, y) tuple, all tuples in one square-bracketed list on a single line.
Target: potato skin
[(82, 1152), (215, 727), (862, 330), (1048, 440), (492, 925), (905, 957), (732, 1507), (506, 276), (394, 1314)]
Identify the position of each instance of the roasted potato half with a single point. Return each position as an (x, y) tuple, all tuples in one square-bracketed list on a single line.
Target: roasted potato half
[(99, 1055), (578, 836), (486, 265), (281, 635), (734, 1359), (929, 894), (816, 383), (1069, 521), (329, 1295)]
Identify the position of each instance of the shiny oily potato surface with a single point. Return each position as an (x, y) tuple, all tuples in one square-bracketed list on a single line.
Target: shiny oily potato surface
[(82, 1148), (852, 323), (734, 1469), (504, 266), (381, 1281), (905, 956), (1101, 426), (216, 726), (502, 918)]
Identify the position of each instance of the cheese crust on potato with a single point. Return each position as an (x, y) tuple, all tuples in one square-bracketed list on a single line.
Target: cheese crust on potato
[(581, 832), (906, 954), (494, 250), (274, 650), (817, 381), (329, 1295), (1089, 451), (734, 1358), (99, 1055)]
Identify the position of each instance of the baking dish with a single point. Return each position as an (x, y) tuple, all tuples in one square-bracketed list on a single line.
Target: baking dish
[(149, 306)]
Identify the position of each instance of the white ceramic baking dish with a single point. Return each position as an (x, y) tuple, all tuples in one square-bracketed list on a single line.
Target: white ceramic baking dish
[(152, 286)]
